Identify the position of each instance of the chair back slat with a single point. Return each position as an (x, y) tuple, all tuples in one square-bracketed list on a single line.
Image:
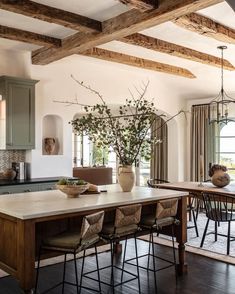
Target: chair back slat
[(166, 208), (219, 207), (127, 215), (92, 225)]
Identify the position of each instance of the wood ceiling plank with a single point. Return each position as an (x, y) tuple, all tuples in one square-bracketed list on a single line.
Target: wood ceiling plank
[(175, 50), (51, 14), (28, 37), (138, 62), (121, 26), (142, 5), (207, 27)]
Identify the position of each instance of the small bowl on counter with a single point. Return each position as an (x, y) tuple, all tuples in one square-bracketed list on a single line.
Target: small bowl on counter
[(72, 188)]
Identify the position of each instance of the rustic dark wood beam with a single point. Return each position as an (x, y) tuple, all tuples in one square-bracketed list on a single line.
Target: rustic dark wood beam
[(51, 14), (138, 62), (175, 50), (121, 26), (142, 5), (28, 37), (207, 27)]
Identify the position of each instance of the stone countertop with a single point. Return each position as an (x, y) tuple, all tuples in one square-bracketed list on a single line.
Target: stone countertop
[(4, 182), (33, 205)]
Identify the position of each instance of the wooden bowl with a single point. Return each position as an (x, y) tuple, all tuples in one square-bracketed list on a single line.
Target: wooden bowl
[(72, 191)]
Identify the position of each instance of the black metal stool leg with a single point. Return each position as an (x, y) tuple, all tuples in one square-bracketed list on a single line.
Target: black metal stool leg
[(216, 230), (228, 237), (195, 222), (204, 234), (38, 266), (123, 260), (154, 267), (137, 264), (64, 270), (81, 276), (149, 250), (76, 271), (112, 267), (98, 269), (173, 247)]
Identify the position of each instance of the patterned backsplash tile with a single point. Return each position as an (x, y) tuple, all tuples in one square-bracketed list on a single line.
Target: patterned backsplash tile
[(9, 156)]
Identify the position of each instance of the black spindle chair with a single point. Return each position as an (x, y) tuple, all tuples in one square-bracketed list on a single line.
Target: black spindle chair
[(219, 208)]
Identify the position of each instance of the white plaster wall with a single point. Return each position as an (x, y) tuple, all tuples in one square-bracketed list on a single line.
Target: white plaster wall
[(112, 81)]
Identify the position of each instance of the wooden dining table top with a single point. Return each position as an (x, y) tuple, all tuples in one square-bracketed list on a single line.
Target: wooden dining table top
[(196, 187)]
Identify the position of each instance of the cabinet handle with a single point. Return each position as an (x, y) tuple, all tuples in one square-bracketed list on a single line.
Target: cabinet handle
[(28, 190), (7, 192), (50, 188), (9, 144)]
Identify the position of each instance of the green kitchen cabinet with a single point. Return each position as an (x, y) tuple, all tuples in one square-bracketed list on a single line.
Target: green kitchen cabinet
[(17, 121)]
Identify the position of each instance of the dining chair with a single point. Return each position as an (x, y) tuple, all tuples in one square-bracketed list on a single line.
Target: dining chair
[(219, 209), (70, 242)]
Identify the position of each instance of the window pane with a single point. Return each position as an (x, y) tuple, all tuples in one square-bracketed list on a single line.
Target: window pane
[(227, 144), (228, 130)]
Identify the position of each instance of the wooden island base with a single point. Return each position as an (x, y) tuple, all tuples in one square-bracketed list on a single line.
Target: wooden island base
[(20, 238)]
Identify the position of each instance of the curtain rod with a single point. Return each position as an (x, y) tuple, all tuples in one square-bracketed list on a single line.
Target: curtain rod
[(202, 104)]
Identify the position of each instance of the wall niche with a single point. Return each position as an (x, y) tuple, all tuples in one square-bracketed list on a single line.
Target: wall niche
[(52, 135)]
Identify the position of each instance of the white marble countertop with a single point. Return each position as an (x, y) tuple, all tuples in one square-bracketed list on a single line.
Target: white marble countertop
[(32, 205)]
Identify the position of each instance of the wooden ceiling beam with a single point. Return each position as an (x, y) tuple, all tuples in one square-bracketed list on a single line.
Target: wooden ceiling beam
[(51, 14), (138, 62), (142, 5), (28, 37), (206, 27), (123, 25), (175, 50)]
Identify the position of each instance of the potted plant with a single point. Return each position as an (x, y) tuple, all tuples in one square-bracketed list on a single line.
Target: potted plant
[(126, 131)]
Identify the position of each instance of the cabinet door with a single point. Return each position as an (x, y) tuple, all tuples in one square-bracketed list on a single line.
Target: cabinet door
[(47, 186), (20, 116), (14, 189)]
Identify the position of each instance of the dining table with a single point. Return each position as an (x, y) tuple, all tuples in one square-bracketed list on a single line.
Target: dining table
[(196, 188), (27, 218)]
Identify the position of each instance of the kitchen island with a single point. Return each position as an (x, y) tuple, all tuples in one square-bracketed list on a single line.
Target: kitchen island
[(28, 217)]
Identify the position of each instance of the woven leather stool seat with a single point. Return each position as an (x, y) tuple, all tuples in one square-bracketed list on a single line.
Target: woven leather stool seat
[(71, 242)]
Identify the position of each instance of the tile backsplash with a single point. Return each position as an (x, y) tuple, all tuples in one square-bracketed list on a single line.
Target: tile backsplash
[(9, 156)]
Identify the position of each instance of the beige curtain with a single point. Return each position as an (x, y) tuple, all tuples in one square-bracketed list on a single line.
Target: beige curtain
[(203, 143), (159, 160)]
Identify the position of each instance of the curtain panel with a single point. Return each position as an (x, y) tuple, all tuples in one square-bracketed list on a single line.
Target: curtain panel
[(203, 143), (159, 159)]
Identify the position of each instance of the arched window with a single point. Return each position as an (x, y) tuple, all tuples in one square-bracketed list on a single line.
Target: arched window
[(226, 150)]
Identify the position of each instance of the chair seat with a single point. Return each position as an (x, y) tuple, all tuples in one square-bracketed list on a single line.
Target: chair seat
[(149, 222), (108, 230), (69, 241)]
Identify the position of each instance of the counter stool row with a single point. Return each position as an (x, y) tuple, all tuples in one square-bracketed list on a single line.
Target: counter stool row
[(128, 222)]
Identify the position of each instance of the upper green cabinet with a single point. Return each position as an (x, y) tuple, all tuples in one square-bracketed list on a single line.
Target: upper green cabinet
[(17, 113)]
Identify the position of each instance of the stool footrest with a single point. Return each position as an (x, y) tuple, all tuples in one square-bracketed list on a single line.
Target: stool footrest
[(108, 284)]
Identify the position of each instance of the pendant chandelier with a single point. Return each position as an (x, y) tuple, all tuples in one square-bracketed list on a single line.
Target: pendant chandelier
[(218, 107)]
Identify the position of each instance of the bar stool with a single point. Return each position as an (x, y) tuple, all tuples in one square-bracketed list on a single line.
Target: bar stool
[(164, 215), (73, 243), (125, 225)]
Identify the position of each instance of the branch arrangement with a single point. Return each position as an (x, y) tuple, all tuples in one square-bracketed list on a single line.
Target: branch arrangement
[(128, 133)]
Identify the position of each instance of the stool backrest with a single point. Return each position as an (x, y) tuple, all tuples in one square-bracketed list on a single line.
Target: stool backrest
[(166, 208), (219, 207), (127, 215), (92, 225)]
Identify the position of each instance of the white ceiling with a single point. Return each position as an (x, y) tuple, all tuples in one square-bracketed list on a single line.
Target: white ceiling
[(202, 86)]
